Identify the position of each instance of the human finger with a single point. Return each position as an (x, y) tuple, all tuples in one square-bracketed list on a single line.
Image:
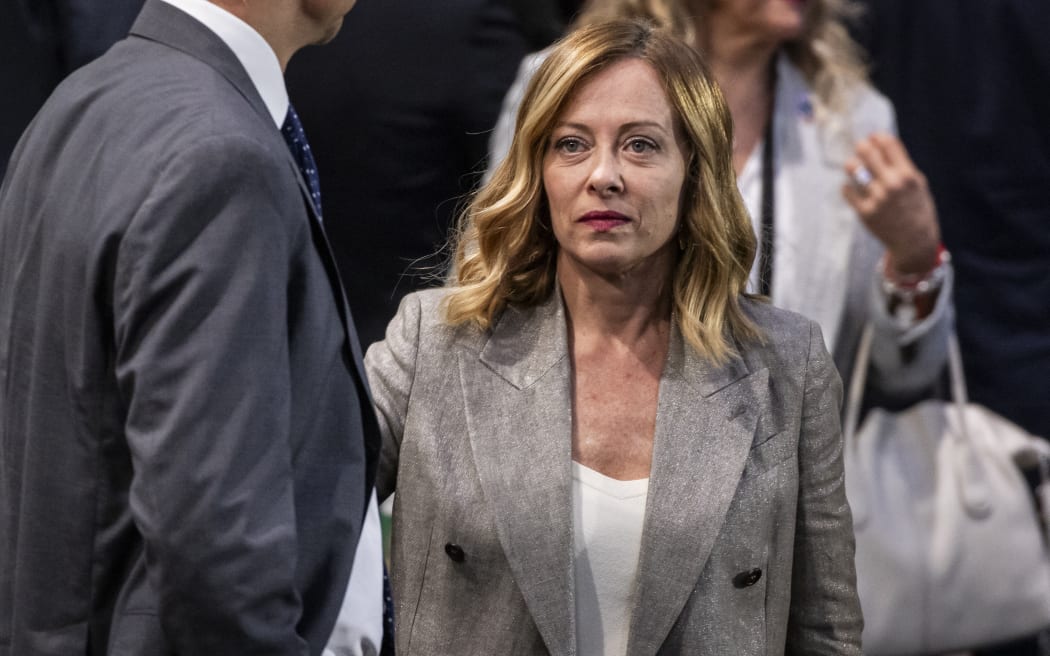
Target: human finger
[(870, 155), (893, 151), (902, 176), (863, 202), (859, 175)]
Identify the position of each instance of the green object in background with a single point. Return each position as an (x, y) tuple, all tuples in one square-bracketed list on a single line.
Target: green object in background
[(386, 523)]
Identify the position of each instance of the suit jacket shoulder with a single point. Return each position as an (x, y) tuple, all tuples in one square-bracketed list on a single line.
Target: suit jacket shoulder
[(788, 337)]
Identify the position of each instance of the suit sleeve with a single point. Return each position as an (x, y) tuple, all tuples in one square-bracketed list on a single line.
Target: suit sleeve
[(825, 616), (391, 368), (200, 305)]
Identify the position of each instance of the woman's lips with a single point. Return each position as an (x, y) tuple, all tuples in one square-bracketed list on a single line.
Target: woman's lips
[(603, 221)]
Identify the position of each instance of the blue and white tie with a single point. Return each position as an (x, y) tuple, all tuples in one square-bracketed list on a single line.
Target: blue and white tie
[(295, 136), (300, 147)]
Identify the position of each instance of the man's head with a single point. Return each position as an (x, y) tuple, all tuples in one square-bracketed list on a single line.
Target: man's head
[(288, 25), (327, 16)]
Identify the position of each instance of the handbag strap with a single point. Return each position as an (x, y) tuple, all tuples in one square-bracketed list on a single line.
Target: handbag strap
[(969, 468), (976, 491), (859, 378)]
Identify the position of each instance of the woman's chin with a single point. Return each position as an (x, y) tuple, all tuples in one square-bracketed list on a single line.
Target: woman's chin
[(615, 266)]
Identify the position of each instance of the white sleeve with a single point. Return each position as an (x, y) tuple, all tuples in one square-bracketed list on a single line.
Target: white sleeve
[(359, 628)]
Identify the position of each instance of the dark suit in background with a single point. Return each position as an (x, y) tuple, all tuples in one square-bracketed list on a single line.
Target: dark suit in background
[(398, 109), (42, 41), (544, 21), (186, 439), (969, 79)]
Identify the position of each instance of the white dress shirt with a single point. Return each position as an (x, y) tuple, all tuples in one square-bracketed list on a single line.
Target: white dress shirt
[(254, 53)]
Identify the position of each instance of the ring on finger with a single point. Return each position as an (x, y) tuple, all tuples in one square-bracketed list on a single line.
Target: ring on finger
[(862, 177)]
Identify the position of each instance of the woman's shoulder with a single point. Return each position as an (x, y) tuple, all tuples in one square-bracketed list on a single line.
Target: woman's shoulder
[(421, 318), (423, 309), (787, 335), (775, 320), (424, 302), (869, 108)]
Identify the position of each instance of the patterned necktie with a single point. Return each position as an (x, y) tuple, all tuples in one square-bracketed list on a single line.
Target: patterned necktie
[(387, 646), (296, 139), (295, 136)]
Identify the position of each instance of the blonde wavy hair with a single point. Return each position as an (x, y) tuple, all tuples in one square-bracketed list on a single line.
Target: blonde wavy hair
[(830, 60), (506, 251)]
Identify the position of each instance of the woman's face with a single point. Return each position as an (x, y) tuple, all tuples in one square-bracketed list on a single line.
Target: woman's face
[(613, 173), (771, 21)]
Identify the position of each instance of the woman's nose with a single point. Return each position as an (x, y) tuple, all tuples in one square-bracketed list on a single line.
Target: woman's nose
[(607, 174)]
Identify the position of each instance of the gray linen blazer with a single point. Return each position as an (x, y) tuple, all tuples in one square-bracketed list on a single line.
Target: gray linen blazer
[(186, 439), (746, 478)]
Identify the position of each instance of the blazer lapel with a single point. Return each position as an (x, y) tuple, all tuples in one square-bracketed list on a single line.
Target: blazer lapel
[(706, 423), (811, 151), (518, 403)]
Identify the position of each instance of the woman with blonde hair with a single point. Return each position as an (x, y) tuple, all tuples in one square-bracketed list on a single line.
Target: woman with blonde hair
[(600, 443), (848, 232)]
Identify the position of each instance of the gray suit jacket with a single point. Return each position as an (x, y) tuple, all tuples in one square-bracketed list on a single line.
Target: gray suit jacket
[(186, 438), (746, 475)]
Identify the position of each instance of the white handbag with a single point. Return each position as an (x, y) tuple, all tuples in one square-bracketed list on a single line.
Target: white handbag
[(951, 554)]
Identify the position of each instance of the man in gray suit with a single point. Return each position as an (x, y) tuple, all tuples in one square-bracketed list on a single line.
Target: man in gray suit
[(186, 437)]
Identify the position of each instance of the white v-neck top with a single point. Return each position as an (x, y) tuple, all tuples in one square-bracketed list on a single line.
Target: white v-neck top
[(608, 515)]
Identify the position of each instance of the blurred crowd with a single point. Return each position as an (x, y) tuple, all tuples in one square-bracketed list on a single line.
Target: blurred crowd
[(879, 137)]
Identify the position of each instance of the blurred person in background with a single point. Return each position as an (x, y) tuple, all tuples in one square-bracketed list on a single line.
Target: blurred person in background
[(600, 443), (401, 104), (848, 231), (42, 41), (544, 21), (969, 80)]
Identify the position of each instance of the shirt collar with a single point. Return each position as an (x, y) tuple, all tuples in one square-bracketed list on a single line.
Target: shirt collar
[(254, 53)]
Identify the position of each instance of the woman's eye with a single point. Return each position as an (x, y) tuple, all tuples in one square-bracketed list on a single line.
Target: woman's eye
[(569, 145), (638, 145)]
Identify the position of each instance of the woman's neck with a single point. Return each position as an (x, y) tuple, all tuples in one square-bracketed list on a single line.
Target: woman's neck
[(744, 70), (629, 309)]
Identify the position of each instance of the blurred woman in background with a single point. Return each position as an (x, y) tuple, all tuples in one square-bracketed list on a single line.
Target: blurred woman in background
[(847, 229)]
